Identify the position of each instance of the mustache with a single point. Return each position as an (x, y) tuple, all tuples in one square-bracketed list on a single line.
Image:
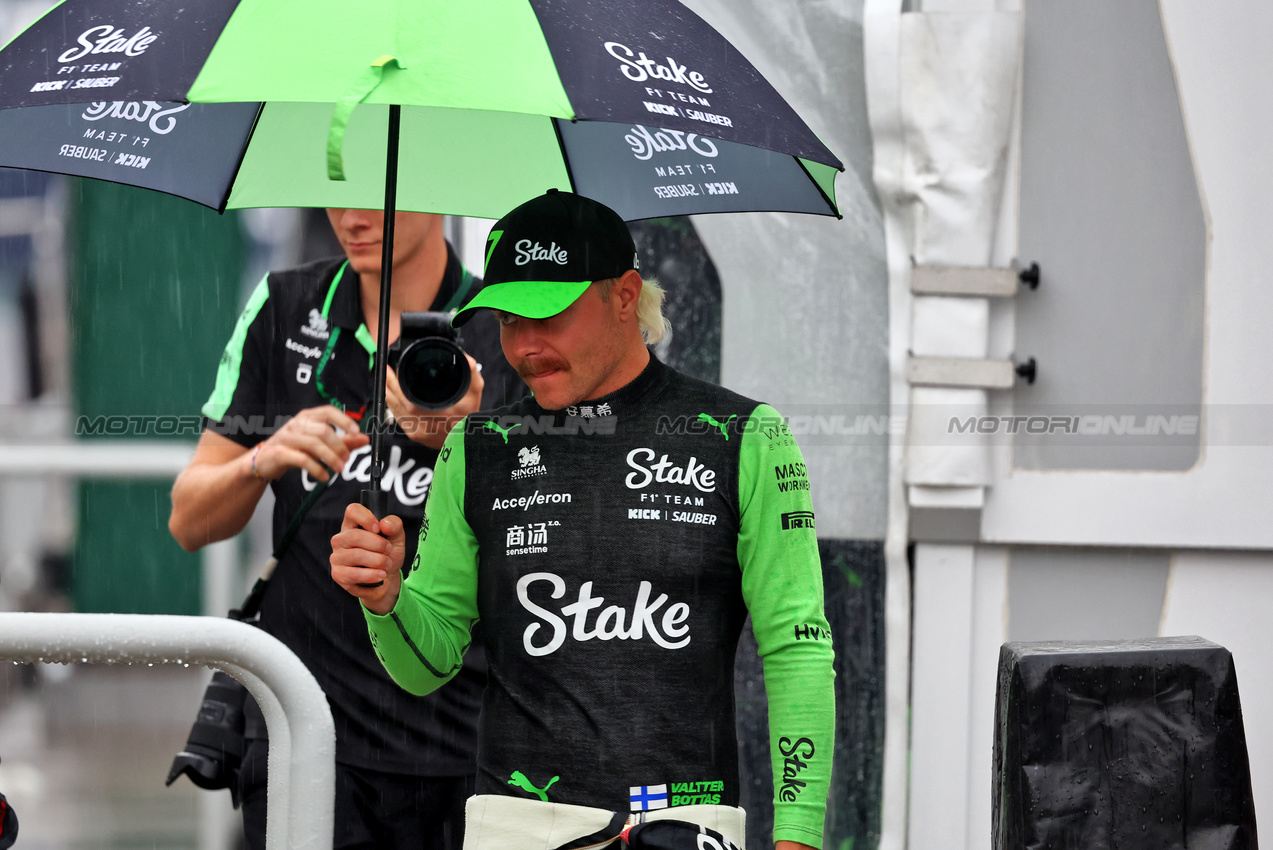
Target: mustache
[(531, 367)]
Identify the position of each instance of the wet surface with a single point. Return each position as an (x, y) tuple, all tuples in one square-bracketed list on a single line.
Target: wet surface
[(84, 751)]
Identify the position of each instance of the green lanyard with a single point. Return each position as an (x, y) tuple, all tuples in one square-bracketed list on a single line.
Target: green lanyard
[(466, 283)]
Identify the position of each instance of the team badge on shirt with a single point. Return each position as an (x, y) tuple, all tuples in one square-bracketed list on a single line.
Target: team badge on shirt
[(528, 464), (647, 797)]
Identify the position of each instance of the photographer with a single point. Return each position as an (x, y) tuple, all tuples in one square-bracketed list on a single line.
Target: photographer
[(300, 357)]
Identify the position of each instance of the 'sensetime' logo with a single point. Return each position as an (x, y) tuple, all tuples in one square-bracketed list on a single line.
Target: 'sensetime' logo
[(638, 68), (529, 539)]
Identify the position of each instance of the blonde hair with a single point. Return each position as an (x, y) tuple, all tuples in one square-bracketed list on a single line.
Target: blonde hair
[(654, 325)]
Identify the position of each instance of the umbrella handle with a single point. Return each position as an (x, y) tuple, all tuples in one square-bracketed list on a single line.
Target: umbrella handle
[(376, 501)]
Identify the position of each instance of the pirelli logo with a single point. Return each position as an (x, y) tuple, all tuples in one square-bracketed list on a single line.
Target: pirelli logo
[(797, 519)]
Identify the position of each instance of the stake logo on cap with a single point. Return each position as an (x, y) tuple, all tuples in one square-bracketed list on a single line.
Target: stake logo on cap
[(544, 254)]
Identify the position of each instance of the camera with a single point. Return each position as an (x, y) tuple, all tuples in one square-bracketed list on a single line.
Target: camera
[(214, 751), (431, 367)]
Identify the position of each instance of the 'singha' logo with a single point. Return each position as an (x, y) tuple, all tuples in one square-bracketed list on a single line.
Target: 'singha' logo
[(528, 456), (109, 39), (638, 68), (317, 326)]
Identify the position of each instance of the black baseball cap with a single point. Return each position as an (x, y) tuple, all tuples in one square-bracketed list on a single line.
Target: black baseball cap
[(544, 254)]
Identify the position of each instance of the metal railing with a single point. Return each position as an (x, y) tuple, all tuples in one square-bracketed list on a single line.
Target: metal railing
[(302, 777), (161, 460)]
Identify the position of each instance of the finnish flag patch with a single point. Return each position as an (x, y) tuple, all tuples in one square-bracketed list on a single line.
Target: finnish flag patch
[(647, 797)]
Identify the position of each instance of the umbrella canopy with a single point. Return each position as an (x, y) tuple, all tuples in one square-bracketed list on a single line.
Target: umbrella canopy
[(462, 162), (502, 97), (496, 85)]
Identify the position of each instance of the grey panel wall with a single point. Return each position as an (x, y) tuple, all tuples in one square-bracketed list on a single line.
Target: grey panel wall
[(1110, 209), (1085, 594)]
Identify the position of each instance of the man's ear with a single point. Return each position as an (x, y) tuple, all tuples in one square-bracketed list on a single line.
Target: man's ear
[(627, 289)]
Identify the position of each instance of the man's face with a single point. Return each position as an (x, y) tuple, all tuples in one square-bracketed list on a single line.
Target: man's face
[(360, 233), (570, 357)]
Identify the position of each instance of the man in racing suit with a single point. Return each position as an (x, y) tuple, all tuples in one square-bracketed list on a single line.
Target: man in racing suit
[(612, 533)]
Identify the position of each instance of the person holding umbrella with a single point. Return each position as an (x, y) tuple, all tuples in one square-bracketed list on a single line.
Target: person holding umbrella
[(611, 534), (292, 394)]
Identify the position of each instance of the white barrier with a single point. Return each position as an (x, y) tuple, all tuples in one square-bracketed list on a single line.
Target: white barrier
[(139, 460), (302, 766)]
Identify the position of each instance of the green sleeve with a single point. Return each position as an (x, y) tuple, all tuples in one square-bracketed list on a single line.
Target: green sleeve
[(782, 585), (422, 641), (234, 369)]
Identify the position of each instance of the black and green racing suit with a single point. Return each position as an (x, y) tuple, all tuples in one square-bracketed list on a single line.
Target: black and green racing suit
[(612, 552)]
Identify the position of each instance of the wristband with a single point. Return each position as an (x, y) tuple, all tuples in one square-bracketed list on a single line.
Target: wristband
[(256, 473)]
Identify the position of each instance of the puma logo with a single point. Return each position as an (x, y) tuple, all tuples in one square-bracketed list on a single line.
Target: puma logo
[(703, 417), (519, 780), (503, 432)]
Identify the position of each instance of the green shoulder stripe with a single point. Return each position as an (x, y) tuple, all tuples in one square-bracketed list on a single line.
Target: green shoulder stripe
[(232, 357)]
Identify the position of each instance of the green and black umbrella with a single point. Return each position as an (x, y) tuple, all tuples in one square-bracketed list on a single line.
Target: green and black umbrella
[(640, 105), (443, 106)]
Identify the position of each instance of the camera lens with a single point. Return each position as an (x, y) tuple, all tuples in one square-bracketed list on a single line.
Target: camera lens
[(433, 373)]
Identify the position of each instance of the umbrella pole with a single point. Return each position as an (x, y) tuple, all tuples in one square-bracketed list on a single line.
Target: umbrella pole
[(374, 498)]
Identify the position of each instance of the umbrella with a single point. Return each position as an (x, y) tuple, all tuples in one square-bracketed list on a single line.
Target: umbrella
[(239, 155), (642, 106)]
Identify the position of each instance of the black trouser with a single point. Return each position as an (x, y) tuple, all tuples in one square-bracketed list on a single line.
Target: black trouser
[(374, 810)]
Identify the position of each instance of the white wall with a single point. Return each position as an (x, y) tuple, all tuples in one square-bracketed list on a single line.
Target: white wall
[(1211, 521), (1221, 56), (1227, 597)]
